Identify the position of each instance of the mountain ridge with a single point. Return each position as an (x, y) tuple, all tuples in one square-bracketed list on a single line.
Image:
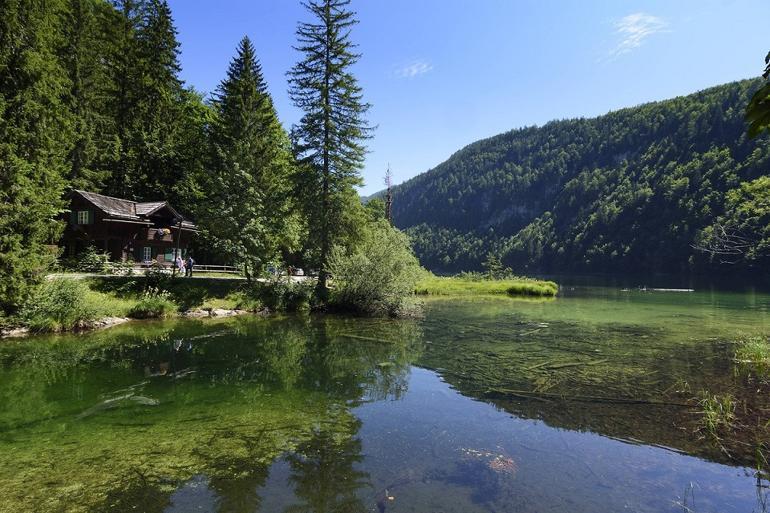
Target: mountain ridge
[(557, 196)]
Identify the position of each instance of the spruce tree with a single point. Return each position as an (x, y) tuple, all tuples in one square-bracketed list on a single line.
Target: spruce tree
[(159, 105), (124, 92), (83, 56), (328, 140), (246, 216), (34, 142)]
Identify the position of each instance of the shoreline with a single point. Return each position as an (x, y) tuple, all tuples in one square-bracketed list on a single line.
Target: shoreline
[(104, 323)]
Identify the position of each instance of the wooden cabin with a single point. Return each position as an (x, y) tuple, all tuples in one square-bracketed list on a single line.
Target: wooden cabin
[(127, 230)]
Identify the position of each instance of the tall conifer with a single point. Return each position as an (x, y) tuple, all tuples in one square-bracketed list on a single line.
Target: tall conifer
[(34, 142), (123, 96), (247, 215), (159, 104), (83, 56), (328, 139)]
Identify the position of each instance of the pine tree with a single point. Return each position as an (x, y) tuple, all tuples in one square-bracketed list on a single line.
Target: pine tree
[(123, 95), (159, 104), (82, 57), (328, 139), (34, 142), (247, 215)]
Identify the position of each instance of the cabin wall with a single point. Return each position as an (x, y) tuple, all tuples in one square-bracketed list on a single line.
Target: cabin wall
[(121, 240)]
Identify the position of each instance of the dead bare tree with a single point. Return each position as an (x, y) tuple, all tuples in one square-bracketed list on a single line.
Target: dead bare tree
[(389, 196), (728, 243)]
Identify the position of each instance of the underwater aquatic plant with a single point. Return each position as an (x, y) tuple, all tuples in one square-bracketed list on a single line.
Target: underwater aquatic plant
[(718, 412)]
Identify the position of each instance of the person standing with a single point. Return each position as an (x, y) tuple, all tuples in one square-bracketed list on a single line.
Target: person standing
[(179, 263), (189, 266)]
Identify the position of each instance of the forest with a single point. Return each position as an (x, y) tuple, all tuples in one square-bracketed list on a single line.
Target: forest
[(639, 190), (91, 98)]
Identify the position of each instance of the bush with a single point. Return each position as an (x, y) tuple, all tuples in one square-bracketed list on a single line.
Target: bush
[(57, 305), (378, 277), (125, 268), (157, 276), (280, 295), (92, 261), (154, 303)]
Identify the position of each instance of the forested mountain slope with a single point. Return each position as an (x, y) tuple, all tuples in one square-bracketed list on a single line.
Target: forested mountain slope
[(629, 190)]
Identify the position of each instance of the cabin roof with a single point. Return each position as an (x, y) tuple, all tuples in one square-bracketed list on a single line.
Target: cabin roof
[(129, 210)]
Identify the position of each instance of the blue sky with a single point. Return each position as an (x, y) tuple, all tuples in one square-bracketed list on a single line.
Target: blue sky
[(441, 74)]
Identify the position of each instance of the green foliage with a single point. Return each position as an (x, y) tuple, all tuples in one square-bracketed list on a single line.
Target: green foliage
[(154, 303), (246, 212), (282, 295), (328, 138), (494, 268), (742, 233), (758, 111), (85, 53), (93, 261), (57, 305), (34, 128), (627, 191), (377, 276)]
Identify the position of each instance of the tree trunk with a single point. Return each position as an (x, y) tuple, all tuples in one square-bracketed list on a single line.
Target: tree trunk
[(323, 274)]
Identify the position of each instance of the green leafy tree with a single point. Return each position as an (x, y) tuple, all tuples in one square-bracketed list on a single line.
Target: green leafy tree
[(328, 139), (758, 111), (742, 234), (34, 143), (378, 275), (247, 214)]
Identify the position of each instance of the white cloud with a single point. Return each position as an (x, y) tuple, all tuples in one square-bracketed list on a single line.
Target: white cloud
[(414, 68), (634, 29)]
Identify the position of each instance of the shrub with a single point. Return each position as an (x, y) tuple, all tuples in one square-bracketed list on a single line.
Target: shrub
[(280, 295), (154, 303), (92, 261), (125, 268), (57, 305), (378, 276), (157, 276)]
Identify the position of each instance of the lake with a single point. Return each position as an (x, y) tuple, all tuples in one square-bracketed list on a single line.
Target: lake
[(588, 402)]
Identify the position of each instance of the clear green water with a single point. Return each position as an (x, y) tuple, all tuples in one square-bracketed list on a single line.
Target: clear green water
[(585, 403)]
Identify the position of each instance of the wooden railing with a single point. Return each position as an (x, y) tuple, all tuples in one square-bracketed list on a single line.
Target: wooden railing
[(197, 268)]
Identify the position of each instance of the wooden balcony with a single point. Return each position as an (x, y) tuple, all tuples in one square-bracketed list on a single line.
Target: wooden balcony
[(160, 234)]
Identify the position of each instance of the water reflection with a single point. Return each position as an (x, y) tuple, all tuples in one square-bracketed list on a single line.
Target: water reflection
[(593, 409), (324, 475), (137, 415)]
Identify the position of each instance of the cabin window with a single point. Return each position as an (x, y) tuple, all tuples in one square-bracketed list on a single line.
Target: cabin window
[(84, 217), (146, 253)]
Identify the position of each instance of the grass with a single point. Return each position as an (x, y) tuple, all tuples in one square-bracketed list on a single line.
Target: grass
[(754, 351), (455, 286), (718, 412), (154, 304), (72, 301)]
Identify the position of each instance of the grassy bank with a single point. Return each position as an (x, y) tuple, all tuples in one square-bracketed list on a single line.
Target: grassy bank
[(458, 286), (65, 303)]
